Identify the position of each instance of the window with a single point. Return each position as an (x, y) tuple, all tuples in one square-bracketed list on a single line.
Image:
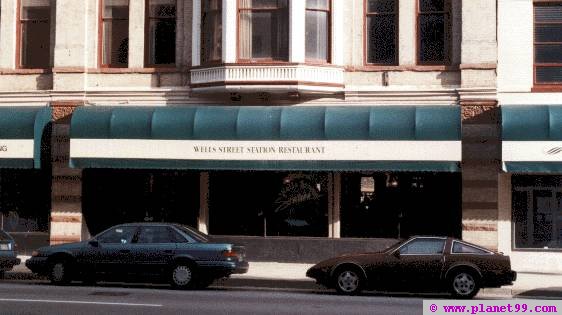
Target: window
[(115, 33), (548, 43), (263, 30), (423, 246), (434, 28), (382, 32), (157, 234), (118, 235), (462, 248), (161, 22), (211, 31), (35, 32), (317, 30)]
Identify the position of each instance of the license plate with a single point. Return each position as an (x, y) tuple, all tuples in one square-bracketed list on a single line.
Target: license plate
[(4, 247)]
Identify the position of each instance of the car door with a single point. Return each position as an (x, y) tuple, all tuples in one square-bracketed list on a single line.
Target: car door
[(153, 249), (110, 252), (420, 262)]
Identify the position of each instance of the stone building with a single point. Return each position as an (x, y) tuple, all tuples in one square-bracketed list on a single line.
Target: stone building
[(283, 124)]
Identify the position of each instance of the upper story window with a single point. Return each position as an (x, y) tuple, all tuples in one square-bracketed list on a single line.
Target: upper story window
[(382, 32), (317, 30), (161, 22), (434, 31), (263, 30), (115, 33), (211, 31), (548, 43), (35, 34)]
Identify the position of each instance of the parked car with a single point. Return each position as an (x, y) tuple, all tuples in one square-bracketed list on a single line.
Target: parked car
[(8, 256), (436, 263), (178, 254)]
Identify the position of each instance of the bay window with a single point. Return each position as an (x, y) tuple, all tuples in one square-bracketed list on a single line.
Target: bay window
[(211, 31), (317, 30)]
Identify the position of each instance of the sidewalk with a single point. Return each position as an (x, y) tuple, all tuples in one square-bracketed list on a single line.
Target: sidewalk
[(292, 276)]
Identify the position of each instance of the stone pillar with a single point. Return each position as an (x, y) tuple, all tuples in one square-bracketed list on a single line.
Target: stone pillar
[(8, 34), (339, 28), (229, 31), (203, 220), (136, 33), (297, 25), (67, 223), (481, 155), (407, 32), (196, 33)]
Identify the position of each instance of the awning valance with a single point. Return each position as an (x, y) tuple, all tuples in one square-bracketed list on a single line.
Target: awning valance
[(424, 138), (21, 130), (532, 138)]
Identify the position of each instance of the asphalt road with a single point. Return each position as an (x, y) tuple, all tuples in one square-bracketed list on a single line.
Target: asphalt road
[(42, 298)]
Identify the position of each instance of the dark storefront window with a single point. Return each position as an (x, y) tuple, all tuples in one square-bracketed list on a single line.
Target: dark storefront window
[(268, 204), (537, 211), (211, 31), (35, 30), (382, 32), (399, 205), (161, 21), (113, 197)]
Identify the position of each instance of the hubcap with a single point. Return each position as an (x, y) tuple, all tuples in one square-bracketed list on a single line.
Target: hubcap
[(182, 275), (348, 281), (464, 284), (58, 272)]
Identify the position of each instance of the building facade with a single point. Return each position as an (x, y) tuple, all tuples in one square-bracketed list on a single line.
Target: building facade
[(271, 122)]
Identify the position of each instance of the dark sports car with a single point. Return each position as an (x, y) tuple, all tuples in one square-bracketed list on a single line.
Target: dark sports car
[(437, 263), (174, 253)]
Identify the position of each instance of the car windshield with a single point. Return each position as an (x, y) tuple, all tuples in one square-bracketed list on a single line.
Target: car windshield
[(198, 236)]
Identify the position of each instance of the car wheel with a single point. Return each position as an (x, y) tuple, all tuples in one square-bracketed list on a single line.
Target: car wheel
[(182, 276), (349, 280), (60, 272), (464, 284)]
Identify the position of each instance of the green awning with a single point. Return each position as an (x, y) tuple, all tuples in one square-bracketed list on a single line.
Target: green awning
[(21, 130), (532, 138), (406, 138)]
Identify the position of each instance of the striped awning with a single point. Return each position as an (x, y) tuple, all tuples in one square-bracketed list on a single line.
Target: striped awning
[(532, 138), (404, 138), (21, 130)]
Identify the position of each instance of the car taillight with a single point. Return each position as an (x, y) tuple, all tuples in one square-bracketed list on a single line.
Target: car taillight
[(230, 254)]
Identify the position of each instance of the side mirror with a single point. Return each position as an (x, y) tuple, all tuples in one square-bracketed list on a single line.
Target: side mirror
[(94, 243)]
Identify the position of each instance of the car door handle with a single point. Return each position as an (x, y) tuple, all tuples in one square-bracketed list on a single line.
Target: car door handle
[(125, 251)]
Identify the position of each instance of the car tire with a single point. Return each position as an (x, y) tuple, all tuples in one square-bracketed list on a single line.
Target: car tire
[(464, 284), (182, 276), (349, 280), (59, 272)]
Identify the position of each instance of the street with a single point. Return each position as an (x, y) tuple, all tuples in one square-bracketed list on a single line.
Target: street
[(38, 297)]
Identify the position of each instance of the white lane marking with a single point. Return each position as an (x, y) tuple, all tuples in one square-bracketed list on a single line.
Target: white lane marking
[(79, 302)]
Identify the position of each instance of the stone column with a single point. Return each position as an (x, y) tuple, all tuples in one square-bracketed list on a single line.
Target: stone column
[(407, 32), (67, 222), (297, 30), (136, 33), (229, 31), (8, 34), (203, 220)]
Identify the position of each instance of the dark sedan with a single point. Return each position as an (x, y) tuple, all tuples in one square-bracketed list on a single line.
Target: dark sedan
[(175, 253), (8, 256), (436, 263)]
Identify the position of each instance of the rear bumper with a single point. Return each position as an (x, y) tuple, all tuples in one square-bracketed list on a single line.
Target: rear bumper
[(225, 268), (506, 278)]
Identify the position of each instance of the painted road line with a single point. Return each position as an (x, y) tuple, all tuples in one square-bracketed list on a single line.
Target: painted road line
[(80, 302)]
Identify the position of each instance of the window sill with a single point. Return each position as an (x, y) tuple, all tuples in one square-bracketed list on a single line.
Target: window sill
[(547, 88), (24, 71), (403, 68), (135, 70)]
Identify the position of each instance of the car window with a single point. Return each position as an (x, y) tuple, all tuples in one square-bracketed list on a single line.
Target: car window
[(118, 235), (461, 248), (156, 234), (424, 246), (196, 235)]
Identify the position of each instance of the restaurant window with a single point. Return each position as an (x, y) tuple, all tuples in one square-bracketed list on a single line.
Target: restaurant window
[(161, 37), (548, 43), (537, 211), (382, 32), (317, 30), (35, 34), (268, 204), (115, 33), (434, 31), (263, 30), (211, 31)]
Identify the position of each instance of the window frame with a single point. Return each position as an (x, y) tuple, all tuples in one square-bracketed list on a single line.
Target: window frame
[(328, 31), (448, 34), (239, 9), (544, 87), (147, 33), (396, 14), (202, 36), (444, 239), (101, 20), (19, 36)]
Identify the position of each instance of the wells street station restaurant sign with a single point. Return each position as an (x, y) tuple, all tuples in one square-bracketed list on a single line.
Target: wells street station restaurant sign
[(267, 150), (16, 149)]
